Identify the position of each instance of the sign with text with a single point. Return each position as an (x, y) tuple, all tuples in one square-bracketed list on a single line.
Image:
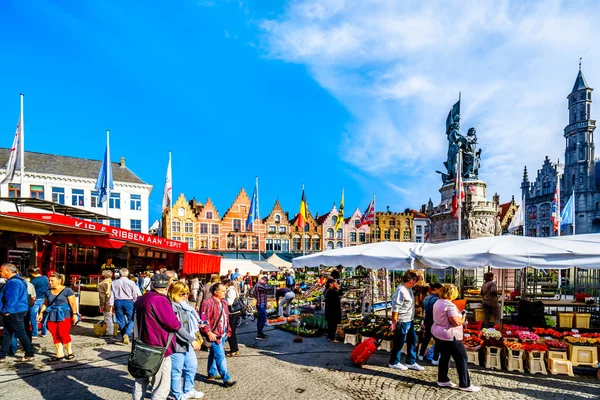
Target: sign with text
[(114, 233)]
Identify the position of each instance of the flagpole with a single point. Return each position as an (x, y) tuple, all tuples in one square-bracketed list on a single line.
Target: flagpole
[(459, 180), (22, 145), (375, 218), (106, 203), (558, 200), (302, 234), (573, 212), (171, 199), (258, 214)]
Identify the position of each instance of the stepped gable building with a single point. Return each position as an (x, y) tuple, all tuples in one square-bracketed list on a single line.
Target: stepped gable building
[(183, 222), (393, 226), (352, 234), (208, 225), (71, 181), (507, 213), (312, 234), (277, 236), (234, 233), (581, 173), (332, 239)]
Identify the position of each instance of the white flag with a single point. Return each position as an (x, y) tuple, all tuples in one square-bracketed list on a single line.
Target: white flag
[(15, 156), (518, 220), (167, 195)]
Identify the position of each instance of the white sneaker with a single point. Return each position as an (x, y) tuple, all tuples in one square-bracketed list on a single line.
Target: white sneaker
[(399, 366), (194, 394), (415, 366), (435, 362), (420, 358), (447, 384), (470, 389)]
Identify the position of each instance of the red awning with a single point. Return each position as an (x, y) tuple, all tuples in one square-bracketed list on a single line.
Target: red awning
[(87, 240), (198, 263)]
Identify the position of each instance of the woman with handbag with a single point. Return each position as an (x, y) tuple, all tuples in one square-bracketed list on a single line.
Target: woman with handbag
[(235, 305), (183, 360), (60, 311)]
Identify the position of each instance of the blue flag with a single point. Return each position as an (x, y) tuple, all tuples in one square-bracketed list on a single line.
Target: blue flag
[(253, 214), (104, 183), (566, 217)]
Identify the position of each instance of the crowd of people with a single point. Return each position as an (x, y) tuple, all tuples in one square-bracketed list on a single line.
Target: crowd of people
[(156, 308)]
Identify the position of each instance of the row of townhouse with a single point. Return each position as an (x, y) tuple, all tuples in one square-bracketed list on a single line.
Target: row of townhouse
[(203, 228)]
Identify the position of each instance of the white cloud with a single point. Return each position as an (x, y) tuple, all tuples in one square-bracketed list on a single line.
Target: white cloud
[(398, 67)]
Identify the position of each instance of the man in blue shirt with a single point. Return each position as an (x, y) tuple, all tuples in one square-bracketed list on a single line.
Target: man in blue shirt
[(40, 283), (14, 304)]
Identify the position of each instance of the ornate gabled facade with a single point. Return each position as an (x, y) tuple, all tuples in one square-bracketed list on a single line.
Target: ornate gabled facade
[(209, 225), (183, 223), (332, 238), (311, 235), (538, 197), (277, 236), (235, 235), (507, 213), (393, 226), (352, 234), (580, 177)]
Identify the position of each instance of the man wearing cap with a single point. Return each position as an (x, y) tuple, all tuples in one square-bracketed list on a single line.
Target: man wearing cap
[(155, 315), (260, 293)]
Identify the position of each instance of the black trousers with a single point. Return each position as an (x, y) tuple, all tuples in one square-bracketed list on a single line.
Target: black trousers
[(233, 320), (14, 324), (456, 350), (425, 342), (332, 323)]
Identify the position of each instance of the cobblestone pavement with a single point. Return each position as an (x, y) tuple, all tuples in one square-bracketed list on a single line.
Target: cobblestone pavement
[(272, 369)]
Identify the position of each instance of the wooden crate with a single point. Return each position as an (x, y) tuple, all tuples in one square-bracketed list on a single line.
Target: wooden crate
[(558, 355), (565, 319), (514, 360), (353, 339), (582, 320), (386, 345), (560, 367), (535, 363), (473, 357), (493, 357), (583, 355)]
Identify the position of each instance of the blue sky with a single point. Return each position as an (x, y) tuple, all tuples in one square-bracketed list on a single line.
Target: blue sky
[(328, 93)]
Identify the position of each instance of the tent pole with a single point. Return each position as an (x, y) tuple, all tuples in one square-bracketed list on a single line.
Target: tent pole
[(502, 300), (385, 291)]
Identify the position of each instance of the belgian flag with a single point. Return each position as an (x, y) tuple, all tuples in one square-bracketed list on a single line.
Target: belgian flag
[(302, 213)]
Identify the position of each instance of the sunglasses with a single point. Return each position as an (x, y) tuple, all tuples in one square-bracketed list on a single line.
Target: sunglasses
[(185, 294)]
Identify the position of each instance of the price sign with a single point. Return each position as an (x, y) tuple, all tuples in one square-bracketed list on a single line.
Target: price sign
[(547, 337), (508, 332), (577, 335), (467, 335), (575, 330)]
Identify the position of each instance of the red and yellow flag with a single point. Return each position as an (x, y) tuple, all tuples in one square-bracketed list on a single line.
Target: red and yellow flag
[(302, 213)]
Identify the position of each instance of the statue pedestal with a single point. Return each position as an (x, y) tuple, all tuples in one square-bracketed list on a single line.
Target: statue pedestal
[(479, 216)]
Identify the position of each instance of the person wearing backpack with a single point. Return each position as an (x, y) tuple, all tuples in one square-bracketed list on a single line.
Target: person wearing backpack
[(154, 312), (14, 305)]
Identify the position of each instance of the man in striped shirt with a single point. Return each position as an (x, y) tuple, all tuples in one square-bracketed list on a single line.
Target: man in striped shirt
[(260, 293)]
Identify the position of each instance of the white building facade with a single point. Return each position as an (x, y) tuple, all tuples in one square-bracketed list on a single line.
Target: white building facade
[(71, 181), (421, 227)]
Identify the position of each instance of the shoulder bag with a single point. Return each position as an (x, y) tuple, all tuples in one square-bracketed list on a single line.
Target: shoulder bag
[(46, 314), (145, 359), (207, 342)]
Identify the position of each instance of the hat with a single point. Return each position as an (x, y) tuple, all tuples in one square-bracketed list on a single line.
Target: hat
[(160, 281)]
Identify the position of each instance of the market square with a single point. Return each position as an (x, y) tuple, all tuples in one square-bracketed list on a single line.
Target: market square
[(430, 223)]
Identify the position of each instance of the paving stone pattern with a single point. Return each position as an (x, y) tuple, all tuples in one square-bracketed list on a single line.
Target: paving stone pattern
[(275, 369)]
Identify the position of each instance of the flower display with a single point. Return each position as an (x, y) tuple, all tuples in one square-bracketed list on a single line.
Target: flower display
[(513, 346), (548, 332), (581, 341), (555, 344), (492, 342), (471, 332), (530, 347), (527, 336), (472, 343), (491, 334)]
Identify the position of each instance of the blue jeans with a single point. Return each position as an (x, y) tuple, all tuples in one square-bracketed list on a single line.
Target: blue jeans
[(124, 315), (405, 332), (216, 361), (262, 318), (34, 310), (183, 365), (14, 327)]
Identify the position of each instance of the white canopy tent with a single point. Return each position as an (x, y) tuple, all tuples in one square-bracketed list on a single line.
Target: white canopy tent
[(390, 255), (513, 252), (279, 262), (254, 267)]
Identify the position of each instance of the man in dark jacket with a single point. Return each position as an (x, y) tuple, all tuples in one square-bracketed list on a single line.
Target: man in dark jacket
[(155, 320), (14, 305)]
